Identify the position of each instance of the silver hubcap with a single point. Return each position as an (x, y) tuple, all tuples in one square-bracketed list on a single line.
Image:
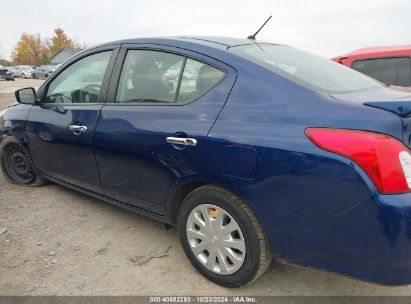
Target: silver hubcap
[(215, 239)]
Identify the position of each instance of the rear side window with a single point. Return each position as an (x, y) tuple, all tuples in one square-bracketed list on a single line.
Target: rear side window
[(395, 71), (149, 76), (164, 78)]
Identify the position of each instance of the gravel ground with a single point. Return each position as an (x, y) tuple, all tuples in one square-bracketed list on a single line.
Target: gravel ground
[(60, 242)]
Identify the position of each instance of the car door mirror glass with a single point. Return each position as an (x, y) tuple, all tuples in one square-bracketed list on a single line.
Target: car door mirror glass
[(26, 96)]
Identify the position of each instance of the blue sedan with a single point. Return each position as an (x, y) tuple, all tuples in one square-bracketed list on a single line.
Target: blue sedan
[(253, 150)]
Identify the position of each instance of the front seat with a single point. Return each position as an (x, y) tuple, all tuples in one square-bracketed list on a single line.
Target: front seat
[(147, 83)]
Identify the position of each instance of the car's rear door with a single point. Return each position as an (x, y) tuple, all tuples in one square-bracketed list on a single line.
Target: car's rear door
[(60, 128), (150, 111)]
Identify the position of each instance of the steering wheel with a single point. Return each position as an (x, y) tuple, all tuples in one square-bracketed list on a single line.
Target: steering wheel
[(59, 98), (90, 91)]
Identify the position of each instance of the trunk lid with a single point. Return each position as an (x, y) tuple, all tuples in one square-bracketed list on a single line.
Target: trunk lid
[(394, 99)]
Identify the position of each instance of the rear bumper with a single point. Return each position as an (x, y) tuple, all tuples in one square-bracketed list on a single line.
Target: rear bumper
[(389, 248), (371, 242)]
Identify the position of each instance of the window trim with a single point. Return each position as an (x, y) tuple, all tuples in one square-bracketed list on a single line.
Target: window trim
[(379, 58), (180, 78), (105, 83), (116, 75)]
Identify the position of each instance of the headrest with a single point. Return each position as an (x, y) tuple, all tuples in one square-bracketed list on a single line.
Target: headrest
[(207, 77)]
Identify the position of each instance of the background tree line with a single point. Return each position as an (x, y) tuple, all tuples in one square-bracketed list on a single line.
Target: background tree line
[(31, 49)]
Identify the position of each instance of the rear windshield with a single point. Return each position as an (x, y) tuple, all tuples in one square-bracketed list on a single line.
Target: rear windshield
[(306, 69)]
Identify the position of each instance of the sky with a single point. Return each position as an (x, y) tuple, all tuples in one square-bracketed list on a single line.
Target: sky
[(325, 27)]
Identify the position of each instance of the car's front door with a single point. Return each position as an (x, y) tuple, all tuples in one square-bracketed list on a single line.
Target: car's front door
[(60, 128), (157, 98)]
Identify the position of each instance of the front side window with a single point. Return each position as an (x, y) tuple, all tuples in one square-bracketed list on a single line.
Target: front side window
[(164, 78), (306, 69), (80, 82)]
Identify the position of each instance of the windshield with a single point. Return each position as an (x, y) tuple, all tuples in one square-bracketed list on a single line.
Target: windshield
[(306, 69)]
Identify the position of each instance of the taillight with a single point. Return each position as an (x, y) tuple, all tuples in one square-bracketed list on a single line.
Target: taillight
[(385, 160)]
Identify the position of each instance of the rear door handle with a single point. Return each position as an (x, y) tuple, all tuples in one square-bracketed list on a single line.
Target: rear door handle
[(182, 141), (78, 129)]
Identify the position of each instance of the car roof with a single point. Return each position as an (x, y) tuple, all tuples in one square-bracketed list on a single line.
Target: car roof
[(215, 40), (212, 46), (379, 51), (210, 41)]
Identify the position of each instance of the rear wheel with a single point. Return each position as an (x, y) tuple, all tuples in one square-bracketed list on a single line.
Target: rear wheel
[(16, 165), (222, 238)]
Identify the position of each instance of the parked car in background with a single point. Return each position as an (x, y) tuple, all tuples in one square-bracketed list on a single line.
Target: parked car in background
[(262, 150), (24, 71), (6, 74), (389, 64), (44, 71), (14, 71)]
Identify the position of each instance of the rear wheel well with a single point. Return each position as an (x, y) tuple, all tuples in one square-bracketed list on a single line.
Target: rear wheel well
[(179, 196)]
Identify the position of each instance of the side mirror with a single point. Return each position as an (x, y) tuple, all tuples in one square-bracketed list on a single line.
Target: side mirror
[(26, 96)]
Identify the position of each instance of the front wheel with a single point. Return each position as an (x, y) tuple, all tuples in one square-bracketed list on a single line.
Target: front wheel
[(222, 238), (16, 164)]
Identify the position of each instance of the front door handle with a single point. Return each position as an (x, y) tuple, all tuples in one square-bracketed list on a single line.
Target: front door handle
[(182, 141), (78, 129)]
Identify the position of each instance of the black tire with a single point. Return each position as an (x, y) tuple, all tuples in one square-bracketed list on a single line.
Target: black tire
[(16, 165), (23, 76), (258, 256)]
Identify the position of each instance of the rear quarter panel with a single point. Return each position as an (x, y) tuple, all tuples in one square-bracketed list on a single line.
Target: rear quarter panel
[(304, 197)]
